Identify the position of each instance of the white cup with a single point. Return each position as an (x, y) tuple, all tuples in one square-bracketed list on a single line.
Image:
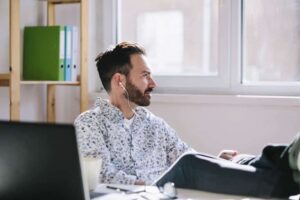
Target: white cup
[(92, 167)]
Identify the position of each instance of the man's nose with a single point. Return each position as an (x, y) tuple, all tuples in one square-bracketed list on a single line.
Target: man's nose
[(152, 83)]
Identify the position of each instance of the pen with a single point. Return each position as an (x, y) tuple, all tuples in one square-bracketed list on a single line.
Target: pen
[(128, 191)]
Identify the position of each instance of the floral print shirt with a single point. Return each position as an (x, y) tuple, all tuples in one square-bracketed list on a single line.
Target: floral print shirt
[(142, 151)]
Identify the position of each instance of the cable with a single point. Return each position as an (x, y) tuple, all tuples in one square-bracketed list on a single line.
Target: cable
[(128, 98)]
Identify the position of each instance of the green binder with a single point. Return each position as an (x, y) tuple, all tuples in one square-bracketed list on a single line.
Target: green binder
[(43, 53)]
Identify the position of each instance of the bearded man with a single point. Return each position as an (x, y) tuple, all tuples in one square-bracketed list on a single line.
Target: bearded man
[(135, 146)]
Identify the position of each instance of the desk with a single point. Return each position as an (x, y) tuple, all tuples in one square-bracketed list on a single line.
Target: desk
[(201, 195), (183, 194)]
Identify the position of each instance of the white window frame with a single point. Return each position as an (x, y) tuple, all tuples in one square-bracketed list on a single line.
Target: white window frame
[(236, 85), (229, 78)]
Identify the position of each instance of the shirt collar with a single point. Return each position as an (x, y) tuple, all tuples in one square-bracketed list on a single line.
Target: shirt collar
[(115, 115)]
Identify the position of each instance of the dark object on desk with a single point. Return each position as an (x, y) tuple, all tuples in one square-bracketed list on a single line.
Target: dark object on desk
[(39, 161)]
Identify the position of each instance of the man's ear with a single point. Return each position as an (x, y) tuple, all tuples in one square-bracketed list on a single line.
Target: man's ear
[(118, 79)]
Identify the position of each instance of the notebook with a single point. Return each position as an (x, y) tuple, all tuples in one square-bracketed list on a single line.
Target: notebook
[(40, 161)]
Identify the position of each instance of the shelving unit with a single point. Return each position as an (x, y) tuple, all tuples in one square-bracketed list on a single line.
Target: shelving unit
[(83, 58), (12, 79)]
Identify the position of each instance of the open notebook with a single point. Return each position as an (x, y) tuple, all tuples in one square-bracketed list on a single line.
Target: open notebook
[(39, 161)]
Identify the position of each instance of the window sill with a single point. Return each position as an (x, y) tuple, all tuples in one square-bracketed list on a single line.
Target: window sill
[(217, 99)]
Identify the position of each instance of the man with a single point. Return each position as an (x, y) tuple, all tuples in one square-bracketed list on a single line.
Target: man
[(137, 147)]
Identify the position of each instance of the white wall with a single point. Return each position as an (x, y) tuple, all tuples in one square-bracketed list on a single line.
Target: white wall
[(211, 123), (208, 123)]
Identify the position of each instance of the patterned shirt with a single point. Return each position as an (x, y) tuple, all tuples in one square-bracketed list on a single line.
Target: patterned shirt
[(142, 151)]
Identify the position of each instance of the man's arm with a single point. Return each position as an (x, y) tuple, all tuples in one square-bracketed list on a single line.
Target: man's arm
[(175, 146)]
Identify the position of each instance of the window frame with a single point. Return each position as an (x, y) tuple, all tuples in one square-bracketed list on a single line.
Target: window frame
[(236, 66), (229, 78)]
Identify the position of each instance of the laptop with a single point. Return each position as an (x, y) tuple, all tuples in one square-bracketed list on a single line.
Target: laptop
[(40, 161)]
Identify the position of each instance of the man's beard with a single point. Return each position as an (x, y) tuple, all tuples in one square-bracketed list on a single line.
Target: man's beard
[(135, 95)]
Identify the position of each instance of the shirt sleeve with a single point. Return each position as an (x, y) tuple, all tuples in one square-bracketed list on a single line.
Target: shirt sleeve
[(175, 147), (91, 144)]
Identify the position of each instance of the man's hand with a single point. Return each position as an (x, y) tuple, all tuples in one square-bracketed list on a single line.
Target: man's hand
[(139, 182), (228, 154)]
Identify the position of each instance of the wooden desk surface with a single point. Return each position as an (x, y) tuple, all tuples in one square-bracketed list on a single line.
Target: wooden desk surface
[(201, 195), (183, 194)]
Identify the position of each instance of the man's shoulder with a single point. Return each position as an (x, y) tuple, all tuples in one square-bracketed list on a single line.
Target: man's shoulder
[(89, 114), (152, 117)]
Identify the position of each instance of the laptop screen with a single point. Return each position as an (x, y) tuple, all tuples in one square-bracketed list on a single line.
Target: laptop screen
[(39, 161)]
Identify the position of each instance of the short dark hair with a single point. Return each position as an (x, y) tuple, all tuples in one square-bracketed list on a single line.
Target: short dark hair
[(116, 60)]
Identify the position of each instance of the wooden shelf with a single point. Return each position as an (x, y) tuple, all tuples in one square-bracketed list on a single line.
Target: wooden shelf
[(83, 57), (12, 78), (69, 83), (4, 80), (63, 1)]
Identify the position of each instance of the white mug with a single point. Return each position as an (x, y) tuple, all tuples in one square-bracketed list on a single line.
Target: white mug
[(92, 167)]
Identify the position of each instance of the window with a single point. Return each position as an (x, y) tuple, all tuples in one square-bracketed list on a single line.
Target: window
[(181, 39), (217, 46), (271, 41)]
